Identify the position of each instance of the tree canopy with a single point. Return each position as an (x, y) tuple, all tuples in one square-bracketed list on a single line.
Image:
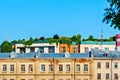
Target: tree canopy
[(6, 47), (112, 14)]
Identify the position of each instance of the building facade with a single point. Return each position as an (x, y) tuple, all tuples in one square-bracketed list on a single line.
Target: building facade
[(46, 67), (87, 46), (44, 48)]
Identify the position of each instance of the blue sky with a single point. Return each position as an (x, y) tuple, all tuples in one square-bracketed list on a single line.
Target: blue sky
[(24, 18)]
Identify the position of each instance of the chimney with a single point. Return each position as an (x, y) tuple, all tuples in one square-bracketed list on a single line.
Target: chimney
[(118, 42)]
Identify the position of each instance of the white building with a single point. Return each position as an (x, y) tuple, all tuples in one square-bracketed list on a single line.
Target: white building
[(44, 48), (87, 46)]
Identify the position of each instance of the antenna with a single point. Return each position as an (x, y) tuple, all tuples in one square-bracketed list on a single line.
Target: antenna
[(101, 38)]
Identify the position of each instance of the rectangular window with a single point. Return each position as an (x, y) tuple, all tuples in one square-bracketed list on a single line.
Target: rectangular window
[(11, 68), (77, 68), (107, 76), (85, 67), (99, 76), (115, 76), (74, 49), (32, 49), (22, 50), (4, 68), (51, 49), (41, 49), (22, 67), (63, 49), (30, 68), (11, 79), (50, 67), (60, 67), (86, 49), (67, 68), (22, 79), (107, 65), (98, 65), (4, 79), (115, 65), (43, 68)]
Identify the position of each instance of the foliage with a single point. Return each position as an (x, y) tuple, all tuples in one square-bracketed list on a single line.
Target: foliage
[(76, 38), (55, 36), (29, 42), (112, 14), (6, 47), (42, 38)]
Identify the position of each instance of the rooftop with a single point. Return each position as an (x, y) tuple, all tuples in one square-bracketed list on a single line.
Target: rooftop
[(99, 43), (43, 55)]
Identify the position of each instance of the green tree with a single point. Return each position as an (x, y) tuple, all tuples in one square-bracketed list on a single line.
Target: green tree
[(90, 38), (29, 42), (55, 36), (112, 14), (6, 47), (76, 38)]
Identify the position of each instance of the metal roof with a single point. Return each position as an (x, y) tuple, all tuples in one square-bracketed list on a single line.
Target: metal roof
[(43, 55), (99, 43)]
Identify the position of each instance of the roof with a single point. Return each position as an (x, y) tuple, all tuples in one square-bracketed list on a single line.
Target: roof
[(104, 54), (99, 43), (43, 55)]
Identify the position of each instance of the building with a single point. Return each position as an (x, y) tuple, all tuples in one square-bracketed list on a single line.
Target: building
[(106, 65), (72, 48), (38, 66), (87, 46), (44, 48)]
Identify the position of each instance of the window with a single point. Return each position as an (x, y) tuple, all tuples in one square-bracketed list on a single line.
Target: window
[(106, 49), (4, 68), (77, 79), (98, 65), (50, 79), (107, 76), (30, 68), (67, 68), (77, 68), (51, 49), (22, 68), (60, 79), (68, 79), (50, 67), (63, 49), (60, 67), (85, 67), (86, 49), (11, 68), (107, 65), (41, 49), (85, 79), (115, 65), (11, 79), (4, 79), (42, 67), (30, 79), (115, 76), (22, 50), (74, 49), (99, 76), (32, 49), (42, 79), (22, 79)]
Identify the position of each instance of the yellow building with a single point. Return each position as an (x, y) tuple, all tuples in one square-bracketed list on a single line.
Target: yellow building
[(35, 66)]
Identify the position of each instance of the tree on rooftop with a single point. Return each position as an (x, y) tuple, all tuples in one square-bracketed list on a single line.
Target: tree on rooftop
[(55, 36), (6, 47), (112, 14), (42, 38)]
